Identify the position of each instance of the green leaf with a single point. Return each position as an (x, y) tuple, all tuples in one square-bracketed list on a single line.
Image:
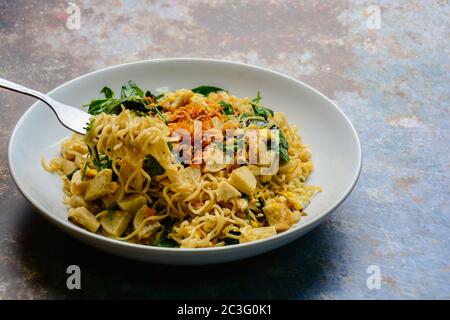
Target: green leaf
[(98, 106), (283, 146), (109, 94), (261, 202), (166, 243), (162, 116), (206, 90), (284, 154), (227, 108), (148, 94), (257, 99), (89, 125), (111, 210), (131, 89), (102, 162), (230, 241), (159, 96), (262, 111), (70, 175), (154, 168), (83, 173), (258, 109)]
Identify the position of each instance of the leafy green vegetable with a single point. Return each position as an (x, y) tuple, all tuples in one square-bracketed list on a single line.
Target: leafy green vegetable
[(227, 108), (89, 125), (111, 210), (132, 97), (230, 241), (257, 99), (170, 145), (83, 173), (257, 123), (261, 202), (102, 162), (165, 242), (283, 145), (258, 109), (148, 94), (130, 90), (249, 214), (107, 92), (206, 90), (162, 116), (98, 106), (262, 111), (159, 96), (70, 175), (154, 168)]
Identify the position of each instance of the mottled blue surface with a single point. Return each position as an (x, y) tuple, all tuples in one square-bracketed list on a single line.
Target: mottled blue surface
[(392, 81)]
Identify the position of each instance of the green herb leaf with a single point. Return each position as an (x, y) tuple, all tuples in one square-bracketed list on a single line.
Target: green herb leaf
[(148, 94), (83, 173), (131, 89), (230, 241), (98, 106), (227, 108), (111, 210), (261, 202), (89, 125), (262, 111), (70, 175), (258, 109), (109, 94), (157, 110), (283, 146), (153, 167), (206, 90), (165, 242), (257, 99), (159, 96), (102, 162)]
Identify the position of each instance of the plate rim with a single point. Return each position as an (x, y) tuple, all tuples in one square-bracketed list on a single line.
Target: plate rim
[(66, 224)]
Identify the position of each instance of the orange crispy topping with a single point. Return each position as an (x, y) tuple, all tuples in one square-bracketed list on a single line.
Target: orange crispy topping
[(184, 117)]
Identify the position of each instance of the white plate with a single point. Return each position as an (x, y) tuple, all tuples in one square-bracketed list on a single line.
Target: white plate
[(334, 144)]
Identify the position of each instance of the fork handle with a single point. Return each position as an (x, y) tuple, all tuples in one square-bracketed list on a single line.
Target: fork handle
[(9, 85)]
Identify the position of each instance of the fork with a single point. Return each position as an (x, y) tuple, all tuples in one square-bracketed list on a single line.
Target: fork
[(70, 117)]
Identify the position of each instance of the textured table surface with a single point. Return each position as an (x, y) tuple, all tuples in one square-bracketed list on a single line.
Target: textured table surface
[(390, 74)]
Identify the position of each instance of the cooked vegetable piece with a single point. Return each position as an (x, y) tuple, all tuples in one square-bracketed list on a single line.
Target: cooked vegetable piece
[(226, 191), (78, 186), (278, 214), (150, 227), (132, 203), (76, 201), (252, 234), (99, 186), (115, 223), (83, 217), (243, 180)]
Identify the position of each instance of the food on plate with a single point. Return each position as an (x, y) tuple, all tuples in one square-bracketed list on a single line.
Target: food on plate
[(186, 168)]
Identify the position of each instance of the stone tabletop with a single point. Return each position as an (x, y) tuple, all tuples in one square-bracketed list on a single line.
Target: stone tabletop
[(385, 63)]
